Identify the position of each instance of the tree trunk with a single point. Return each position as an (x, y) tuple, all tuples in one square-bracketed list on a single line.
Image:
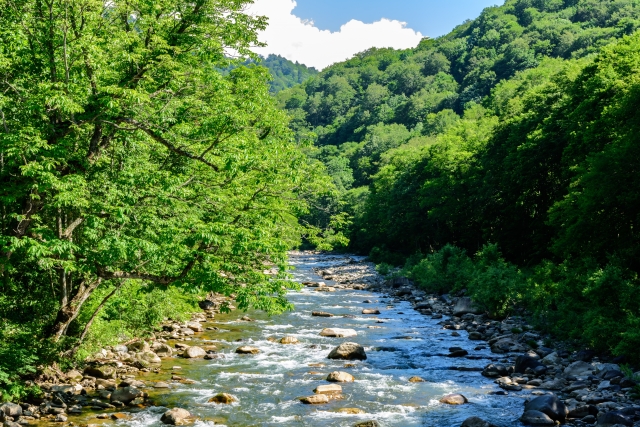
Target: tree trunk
[(69, 311)]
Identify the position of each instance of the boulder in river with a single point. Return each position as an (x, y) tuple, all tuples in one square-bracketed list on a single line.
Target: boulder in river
[(465, 306), (126, 395), (328, 389), (104, 372), (138, 346), (506, 345), (206, 305), (454, 399), (223, 398), (579, 369), (351, 411), (149, 357), (316, 399), (194, 353), (610, 419), (495, 371), (367, 424), (550, 405), (162, 349), (11, 409), (524, 362), (175, 416), (289, 340), (338, 333), (476, 422), (340, 377), (321, 314), (246, 349), (370, 311), (348, 351), (416, 380), (537, 418)]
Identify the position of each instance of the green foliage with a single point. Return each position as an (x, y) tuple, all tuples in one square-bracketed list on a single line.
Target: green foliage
[(384, 269), (444, 271)]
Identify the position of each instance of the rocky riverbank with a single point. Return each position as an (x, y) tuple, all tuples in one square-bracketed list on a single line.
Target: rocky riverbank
[(557, 385)]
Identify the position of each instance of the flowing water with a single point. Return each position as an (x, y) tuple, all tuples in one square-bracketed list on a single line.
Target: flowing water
[(400, 343)]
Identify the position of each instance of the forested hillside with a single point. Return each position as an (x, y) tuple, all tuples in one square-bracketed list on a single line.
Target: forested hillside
[(501, 158), (284, 73)]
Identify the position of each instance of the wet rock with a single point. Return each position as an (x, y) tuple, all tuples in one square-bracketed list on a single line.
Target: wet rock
[(458, 353), (223, 398), (537, 418), (289, 340), (175, 416), (195, 326), (506, 345), (551, 359), (454, 399), (206, 305), (465, 306), (11, 409), (370, 311), (416, 380), (351, 411), (194, 353), (126, 395), (119, 416), (161, 384), (367, 424), (338, 333), (316, 399), (103, 372), (495, 371), (149, 357), (328, 389), (550, 405), (610, 419), (247, 350), (348, 351), (475, 336), (162, 349), (74, 376), (138, 346), (321, 314), (579, 369), (525, 362), (131, 383), (60, 418), (476, 422), (557, 384), (186, 331), (340, 377)]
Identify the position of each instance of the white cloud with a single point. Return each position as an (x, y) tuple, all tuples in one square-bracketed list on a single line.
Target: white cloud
[(299, 40)]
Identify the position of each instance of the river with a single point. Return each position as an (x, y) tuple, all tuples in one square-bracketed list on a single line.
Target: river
[(400, 343)]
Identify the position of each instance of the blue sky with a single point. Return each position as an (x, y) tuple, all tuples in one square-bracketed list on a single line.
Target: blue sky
[(430, 17), (319, 33)]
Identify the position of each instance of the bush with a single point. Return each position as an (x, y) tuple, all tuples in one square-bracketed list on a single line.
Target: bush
[(446, 270), (495, 284)]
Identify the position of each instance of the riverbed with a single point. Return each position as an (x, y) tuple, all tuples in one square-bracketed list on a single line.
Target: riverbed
[(400, 343)]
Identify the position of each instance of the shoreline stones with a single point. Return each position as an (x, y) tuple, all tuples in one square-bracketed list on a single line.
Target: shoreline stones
[(223, 398), (370, 311), (321, 314), (348, 351), (289, 340), (316, 399), (246, 349), (194, 353), (454, 399), (340, 377), (175, 416), (338, 333)]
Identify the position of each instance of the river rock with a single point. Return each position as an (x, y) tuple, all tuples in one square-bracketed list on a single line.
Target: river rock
[(328, 389), (367, 424), (245, 349), (67, 388), (206, 305), (289, 340), (475, 336), (370, 311), (138, 346), (506, 345), (454, 399), (579, 369), (537, 418), (524, 362), (195, 326), (551, 359), (495, 371), (223, 398), (150, 357), (476, 422), (351, 411), (550, 405), (556, 384), (340, 377), (348, 351), (11, 409), (74, 376), (162, 349), (416, 380), (465, 306), (126, 395), (338, 333), (175, 416), (194, 353), (458, 353), (104, 372), (316, 399), (610, 419), (321, 314)]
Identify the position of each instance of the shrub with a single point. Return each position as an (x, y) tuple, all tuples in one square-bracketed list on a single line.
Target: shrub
[(446, 270)]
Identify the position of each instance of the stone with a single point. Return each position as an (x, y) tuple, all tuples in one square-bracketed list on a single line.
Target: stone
[(550, 405), (138, 346), (162, 349), (506, 345), (557, 384), (454, 399), (104, 372), (321, 314), (247, 350), (126, 395), (340, 377), (458, 353), (206, 305), (551, 359), (161, 384), (348, 351), (465, 306), (74, 376), (328, 389), (289, 340), (537, 418), (316, 399), (525, 362), (195, 326), (60, 418), (475, 336), (351, 411), (476, 422), (367, 424), (338, 333), (610, 419), (495, 371), (119, 416), (370, 311), (194, 353), (579, 369), (149, 357), (223, 398), (175, 416), (67, 388), (186, 331), (11, 409), (416, 380)]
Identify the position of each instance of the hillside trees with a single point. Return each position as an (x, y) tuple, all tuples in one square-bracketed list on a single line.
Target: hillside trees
[(125, 155)]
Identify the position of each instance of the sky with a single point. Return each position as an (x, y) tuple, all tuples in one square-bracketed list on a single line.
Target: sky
[(318, 33)]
